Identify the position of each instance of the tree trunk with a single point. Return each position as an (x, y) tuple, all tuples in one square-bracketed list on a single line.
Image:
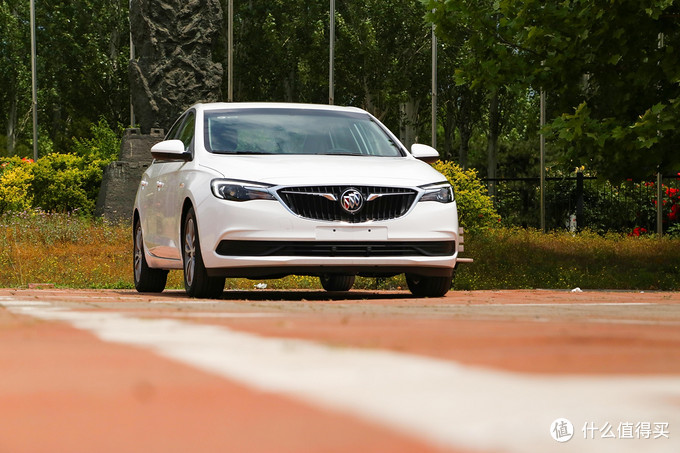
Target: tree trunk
[(289, 86), (492, 144), (409, 120), (12, 124), (465, 122), (464, 146), (370, 104), (449, 135)]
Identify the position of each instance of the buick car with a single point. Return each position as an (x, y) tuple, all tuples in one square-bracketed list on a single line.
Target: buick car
[(266, 190)]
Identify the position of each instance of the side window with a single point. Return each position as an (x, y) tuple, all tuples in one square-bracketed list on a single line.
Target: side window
[(174, 130), (186, 133)]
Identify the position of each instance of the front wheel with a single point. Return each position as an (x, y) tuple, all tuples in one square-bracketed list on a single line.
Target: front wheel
[(197, 283), (147, 280), (422, 286), (334, 282)]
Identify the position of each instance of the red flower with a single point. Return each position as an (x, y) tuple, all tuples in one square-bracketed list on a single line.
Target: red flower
[(675, 210), (638, 231)]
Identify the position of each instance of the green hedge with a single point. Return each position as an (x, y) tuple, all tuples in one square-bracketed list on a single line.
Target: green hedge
[(55, 183), (60, 182)]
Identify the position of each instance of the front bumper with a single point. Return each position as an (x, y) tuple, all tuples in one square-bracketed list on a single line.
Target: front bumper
[(261, 238)]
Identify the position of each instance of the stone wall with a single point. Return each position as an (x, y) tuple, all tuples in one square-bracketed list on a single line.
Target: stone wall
[(121, 178)]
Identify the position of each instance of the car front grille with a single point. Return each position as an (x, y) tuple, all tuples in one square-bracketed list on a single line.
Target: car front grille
[(335, 248), (323, 202)]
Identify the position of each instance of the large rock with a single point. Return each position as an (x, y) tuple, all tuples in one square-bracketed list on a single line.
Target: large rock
[(173, 66)]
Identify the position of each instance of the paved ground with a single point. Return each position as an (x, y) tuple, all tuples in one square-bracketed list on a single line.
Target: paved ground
[(278, 371)]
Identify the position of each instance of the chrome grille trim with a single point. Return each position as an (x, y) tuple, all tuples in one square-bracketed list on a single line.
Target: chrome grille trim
[(321, 202)]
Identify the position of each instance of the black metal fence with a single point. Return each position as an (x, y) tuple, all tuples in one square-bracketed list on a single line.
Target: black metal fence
[(586, 202)]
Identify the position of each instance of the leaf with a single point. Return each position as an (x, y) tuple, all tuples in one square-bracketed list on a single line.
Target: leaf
[(614, 59)]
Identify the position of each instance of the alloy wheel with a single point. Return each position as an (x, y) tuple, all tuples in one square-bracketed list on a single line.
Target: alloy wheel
[(189, 251)]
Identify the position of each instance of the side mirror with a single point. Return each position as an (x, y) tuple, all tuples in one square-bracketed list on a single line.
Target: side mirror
[(170, 150), (425, 153)]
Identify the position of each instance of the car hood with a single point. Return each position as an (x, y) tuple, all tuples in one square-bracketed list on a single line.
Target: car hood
[(323, 170)]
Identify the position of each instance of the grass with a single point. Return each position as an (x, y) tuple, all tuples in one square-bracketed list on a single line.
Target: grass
[(79, 252), (519, 258)]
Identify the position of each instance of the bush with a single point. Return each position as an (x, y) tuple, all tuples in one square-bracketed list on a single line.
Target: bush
[(56, 183), (104, 144), (16, 177), (475, 208), (66, 183), (59, 182)]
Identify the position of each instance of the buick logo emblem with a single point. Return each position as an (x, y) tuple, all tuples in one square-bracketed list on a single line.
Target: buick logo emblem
[(352, 201)]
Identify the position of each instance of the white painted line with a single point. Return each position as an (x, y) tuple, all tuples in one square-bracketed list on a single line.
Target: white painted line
[(23, 303), (641, 322), (439, 401), (569, 304)]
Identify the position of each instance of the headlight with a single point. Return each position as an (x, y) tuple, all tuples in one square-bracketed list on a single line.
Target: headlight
[(440, 192), (240, 190)]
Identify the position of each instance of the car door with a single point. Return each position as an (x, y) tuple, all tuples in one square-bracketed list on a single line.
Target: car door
[(169, 190), (162, 196)]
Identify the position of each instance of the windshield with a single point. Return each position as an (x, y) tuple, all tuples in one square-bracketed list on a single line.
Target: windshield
[(295, 131)]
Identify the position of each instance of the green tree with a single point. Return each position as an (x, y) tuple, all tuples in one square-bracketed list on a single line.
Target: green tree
[(14, 75), (104, 144), (611, 68), (381, 57), (82, 58), (82, 65)]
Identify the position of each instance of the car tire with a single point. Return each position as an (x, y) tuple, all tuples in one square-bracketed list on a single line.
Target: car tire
[(197, 283), (422, 286), (147, 280), (335, 282)]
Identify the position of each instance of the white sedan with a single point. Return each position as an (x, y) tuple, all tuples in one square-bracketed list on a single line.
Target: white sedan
[(264, 190)]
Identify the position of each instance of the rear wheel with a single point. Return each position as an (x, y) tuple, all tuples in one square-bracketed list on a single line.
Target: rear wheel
[(422, 286), (147, 280), (197, 283), (335, 282)]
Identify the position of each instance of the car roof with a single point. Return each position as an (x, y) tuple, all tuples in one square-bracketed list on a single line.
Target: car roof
[(273, 105)]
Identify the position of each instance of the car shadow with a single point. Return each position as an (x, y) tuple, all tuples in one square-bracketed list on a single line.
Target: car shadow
[(308, 296), (296, 295)]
